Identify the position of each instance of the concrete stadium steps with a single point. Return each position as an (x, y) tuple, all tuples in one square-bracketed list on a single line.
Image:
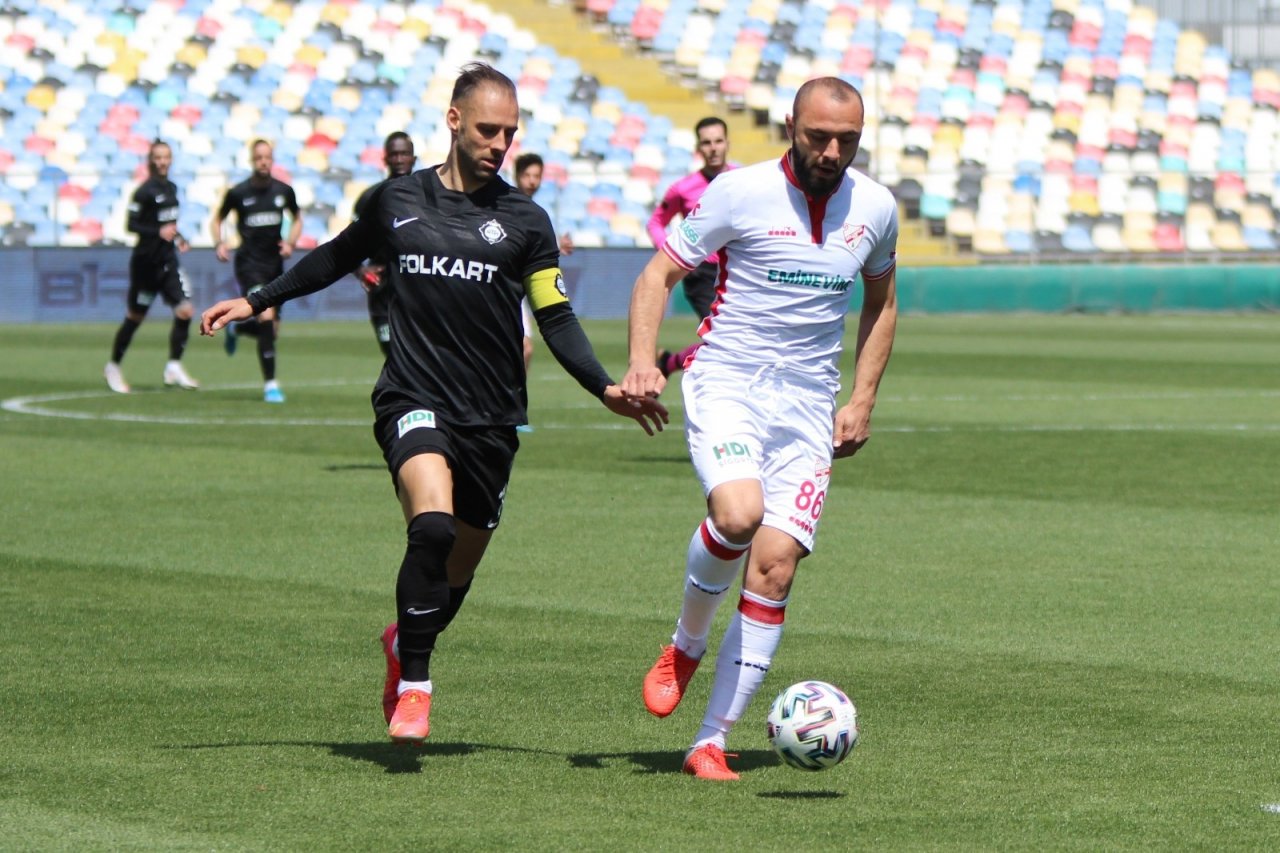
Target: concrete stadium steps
[(636, 75), (918, 248), (641, 79)]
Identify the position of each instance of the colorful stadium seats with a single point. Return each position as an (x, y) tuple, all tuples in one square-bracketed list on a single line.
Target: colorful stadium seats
[(1015, 126), (85, 86), (1103, 92)]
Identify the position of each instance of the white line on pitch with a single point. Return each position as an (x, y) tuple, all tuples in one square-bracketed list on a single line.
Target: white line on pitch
[(31, 405)]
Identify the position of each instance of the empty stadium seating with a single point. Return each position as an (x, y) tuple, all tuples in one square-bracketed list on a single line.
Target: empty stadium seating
[(86, 84), (1016, 127)]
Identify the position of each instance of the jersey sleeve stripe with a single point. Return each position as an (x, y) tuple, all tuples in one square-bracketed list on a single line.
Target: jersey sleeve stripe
[(670, 253), (890, 267)]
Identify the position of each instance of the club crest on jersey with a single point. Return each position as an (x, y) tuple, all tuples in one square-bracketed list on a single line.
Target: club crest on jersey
[(279, 201), (853, 235), (493, 232)]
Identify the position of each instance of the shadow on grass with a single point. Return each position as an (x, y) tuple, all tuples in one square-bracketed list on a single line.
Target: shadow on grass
[(392, 757), (668, 762), (404, 758), (356, 466), (801, 795)]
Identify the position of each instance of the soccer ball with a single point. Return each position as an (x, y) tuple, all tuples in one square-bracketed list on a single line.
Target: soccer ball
[(813, 725)]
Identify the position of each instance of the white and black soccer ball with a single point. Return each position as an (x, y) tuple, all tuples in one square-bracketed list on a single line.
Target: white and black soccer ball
[(813, 725)]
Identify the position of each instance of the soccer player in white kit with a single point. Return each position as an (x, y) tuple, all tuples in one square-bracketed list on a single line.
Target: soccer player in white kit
[(761, 417)]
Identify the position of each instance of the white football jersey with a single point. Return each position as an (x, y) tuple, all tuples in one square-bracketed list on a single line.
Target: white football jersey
[(788, 264)]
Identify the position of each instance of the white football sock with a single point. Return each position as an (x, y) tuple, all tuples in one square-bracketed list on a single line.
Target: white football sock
[(712, 565), (745, 655), (424, 686)]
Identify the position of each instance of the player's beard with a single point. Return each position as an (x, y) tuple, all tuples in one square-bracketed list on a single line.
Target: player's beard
[(473, 167), (813, 182)]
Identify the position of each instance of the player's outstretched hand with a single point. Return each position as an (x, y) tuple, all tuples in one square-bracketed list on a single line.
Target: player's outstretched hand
[(646, 411), (226, 311), (645, 380), (852, 429)]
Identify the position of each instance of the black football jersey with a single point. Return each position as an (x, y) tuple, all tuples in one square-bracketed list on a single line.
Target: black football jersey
[(154, 205), (457, 264), (259, 221)]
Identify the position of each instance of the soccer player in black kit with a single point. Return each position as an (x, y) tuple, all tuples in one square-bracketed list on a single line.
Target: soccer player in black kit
[(259, 204), (397, 154), (153, 270), (466, 247)]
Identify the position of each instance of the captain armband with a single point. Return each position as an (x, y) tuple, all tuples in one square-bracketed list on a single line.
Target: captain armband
[(545, 288)]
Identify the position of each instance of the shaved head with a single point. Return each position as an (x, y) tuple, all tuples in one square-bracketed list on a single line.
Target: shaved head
[(825, 127), (833, 87)]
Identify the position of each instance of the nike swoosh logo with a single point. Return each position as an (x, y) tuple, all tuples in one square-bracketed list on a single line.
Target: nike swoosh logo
[(413, 612), (396, 223)]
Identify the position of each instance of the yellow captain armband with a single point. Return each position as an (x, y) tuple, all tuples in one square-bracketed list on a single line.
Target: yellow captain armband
[(545, 288)]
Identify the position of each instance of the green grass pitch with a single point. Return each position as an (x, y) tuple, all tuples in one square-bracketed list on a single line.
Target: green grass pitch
[(1050, 583)]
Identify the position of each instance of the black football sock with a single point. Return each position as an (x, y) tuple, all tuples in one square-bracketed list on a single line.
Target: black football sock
[(456, 596), (123, 336), (267, 350), (178, 338), (246, 327), (422, 592)]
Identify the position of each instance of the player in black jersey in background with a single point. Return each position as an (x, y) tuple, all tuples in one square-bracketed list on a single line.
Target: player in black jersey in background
[(153, 269), (397, 154), (259, 204), (466, 247)]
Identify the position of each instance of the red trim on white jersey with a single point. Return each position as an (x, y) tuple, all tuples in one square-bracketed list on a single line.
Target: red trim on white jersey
[(817, 206), (721, 286), (679, 261)]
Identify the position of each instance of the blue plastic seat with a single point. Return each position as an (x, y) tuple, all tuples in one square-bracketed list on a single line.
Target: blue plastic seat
[(1076, 239)]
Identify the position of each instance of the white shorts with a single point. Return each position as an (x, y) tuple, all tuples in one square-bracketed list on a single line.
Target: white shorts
[(526, 314), (773, 425)]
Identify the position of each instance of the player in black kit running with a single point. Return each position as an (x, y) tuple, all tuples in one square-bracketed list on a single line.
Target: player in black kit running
[(260, 204), (153, 270), (466, 247), (397, 154)]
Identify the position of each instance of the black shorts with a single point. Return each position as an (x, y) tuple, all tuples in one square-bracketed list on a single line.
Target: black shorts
[(147, 279), (480, 458), (251, 277), (700, 288)]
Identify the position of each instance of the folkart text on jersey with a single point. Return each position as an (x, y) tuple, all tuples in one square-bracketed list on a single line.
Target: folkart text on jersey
[(443, 265)]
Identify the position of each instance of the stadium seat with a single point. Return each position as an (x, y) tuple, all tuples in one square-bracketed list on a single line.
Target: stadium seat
[(1099, 93)]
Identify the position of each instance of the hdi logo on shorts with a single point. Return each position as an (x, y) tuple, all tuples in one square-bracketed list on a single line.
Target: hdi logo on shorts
[(731, 451), (415, 419)]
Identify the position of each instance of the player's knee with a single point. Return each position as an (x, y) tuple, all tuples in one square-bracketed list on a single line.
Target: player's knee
[(737, 523), (185, 311), (432, 532), (135, 317)]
